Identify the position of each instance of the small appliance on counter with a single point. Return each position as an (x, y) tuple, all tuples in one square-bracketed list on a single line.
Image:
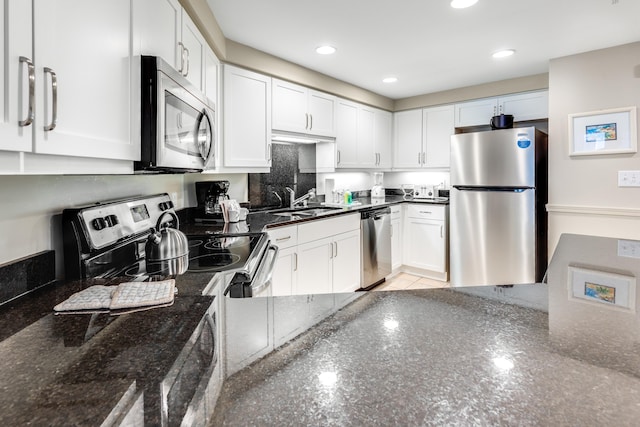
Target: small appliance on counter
[(377, 191), (425, 192), (210, 196)]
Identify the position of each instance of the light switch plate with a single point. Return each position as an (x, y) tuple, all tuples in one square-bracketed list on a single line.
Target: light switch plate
[(629, 248), (628, 178)]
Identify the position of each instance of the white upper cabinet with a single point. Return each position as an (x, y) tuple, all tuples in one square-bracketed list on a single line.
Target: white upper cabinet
[(302, 110), (407, 129), (247, 118), (83, 76), (422, 137), (16, 121), (523, 106), (382, 136), (438, 127), (163, 28), (363, 136), (346, 134)]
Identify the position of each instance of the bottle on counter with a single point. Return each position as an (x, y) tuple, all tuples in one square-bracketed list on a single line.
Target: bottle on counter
[(348, 198)]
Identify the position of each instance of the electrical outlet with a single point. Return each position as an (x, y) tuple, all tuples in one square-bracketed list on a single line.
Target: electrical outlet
[(628, 178)]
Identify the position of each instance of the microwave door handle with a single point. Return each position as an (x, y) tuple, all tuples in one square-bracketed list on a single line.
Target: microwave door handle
[(207, 154)]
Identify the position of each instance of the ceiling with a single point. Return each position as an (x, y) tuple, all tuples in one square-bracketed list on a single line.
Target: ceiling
[(426, 44)]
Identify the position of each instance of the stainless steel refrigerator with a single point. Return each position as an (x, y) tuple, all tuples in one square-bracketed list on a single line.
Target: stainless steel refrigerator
[(498, 231)]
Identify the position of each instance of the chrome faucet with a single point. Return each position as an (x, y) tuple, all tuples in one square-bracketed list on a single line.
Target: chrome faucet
[(292, 197)]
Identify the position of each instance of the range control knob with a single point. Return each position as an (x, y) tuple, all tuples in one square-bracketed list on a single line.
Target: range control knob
[(111, 220), (99, 224), (165, 205)]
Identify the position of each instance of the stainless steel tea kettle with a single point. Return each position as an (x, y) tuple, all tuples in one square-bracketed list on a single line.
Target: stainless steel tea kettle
[(167, 249)]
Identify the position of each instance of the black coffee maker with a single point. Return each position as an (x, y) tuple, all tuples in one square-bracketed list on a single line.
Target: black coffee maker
[(210, 195)]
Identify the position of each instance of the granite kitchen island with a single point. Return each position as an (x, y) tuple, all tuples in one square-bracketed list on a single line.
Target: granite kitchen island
[(540, 354)]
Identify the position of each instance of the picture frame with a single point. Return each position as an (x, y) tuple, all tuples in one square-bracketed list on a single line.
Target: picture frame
[(603, 132), (602, 288)]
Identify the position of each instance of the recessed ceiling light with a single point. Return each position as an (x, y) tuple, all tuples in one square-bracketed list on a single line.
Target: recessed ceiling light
[(461, 4), (503, 53), (389, 80), (325, 50)]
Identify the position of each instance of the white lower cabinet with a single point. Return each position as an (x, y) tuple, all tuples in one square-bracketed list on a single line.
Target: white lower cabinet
[(425, 239), (396, 237)]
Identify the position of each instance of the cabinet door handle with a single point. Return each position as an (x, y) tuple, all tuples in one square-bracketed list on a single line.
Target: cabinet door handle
[(336, 249), (310, 121), (306, 120), (338, 156), (424, 157), (419, 153), (32, 82), (186, 73), (283, 239), (331, 250), (54, 99), (442, 231), (181, 46), (295, 261), (426, 212), (269, 152)]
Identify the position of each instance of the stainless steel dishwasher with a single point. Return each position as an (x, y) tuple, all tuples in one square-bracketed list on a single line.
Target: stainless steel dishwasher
[(375, 235)]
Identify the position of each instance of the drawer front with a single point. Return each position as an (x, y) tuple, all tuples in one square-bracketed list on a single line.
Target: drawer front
[(426, 211), (319, 229), (284, 237)]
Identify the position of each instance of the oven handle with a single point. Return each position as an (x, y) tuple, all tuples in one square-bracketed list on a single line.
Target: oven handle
[(267, 282)]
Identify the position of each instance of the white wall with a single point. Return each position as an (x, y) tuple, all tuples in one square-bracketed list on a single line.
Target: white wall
[(584, 197)]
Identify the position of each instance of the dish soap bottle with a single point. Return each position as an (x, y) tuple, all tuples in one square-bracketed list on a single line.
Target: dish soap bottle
[(348, 198)]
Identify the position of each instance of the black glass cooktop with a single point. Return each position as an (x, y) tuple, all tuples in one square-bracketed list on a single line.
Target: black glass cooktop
[(220, 252)]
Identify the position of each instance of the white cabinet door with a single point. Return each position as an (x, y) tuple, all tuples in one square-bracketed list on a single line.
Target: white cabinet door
[(396, 244), (211, 76), (346, 134), (367, 157), (475, 113), (315, 267), (346, 262), (383, 135), (248, 331), (525, 106), (438, 128), (83, 78), (247, 118), (321, 107), (16, 37), (407, 139), (285, 273), (158, 29), (195, 47), (289, 107), (424, 244)]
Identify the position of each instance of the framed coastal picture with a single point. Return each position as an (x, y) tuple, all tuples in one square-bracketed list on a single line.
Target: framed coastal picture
[(602, 288), (603, 132)]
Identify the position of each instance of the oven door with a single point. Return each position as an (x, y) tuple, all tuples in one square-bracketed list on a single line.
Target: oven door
[(185, 128), (260, 284), (185, 389)]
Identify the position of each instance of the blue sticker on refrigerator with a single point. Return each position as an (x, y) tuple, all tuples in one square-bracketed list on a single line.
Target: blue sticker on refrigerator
[(523, 140)]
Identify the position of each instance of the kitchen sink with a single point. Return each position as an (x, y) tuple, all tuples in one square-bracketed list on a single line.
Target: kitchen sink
[(304, 212)]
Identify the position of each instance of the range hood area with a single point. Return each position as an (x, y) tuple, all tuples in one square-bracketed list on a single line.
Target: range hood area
[(299, 138)]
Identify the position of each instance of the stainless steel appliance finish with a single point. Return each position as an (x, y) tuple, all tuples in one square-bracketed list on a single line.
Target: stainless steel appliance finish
[(177, 122), (167, 248), (498, 219), (375, 235)]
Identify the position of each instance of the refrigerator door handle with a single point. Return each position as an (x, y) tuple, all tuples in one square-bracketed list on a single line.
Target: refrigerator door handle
[(506, 189)]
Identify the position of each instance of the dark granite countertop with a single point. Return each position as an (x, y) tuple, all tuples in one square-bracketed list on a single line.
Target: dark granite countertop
[(75, 369), (561, 353), (258, 221)]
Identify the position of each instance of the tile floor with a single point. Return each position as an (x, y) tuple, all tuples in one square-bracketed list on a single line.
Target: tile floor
[(409, 281)]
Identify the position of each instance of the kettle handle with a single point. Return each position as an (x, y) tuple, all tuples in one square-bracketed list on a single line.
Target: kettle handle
[(175, 217)]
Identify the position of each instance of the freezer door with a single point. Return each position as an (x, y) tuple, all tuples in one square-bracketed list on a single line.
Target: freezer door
[(499, 158), (492, 237)]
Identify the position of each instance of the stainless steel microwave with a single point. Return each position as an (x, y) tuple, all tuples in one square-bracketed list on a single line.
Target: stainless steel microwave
[(177, 122)]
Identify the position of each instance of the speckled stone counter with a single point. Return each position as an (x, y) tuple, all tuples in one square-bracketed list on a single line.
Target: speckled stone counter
[(61, 370), (465, 356)]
